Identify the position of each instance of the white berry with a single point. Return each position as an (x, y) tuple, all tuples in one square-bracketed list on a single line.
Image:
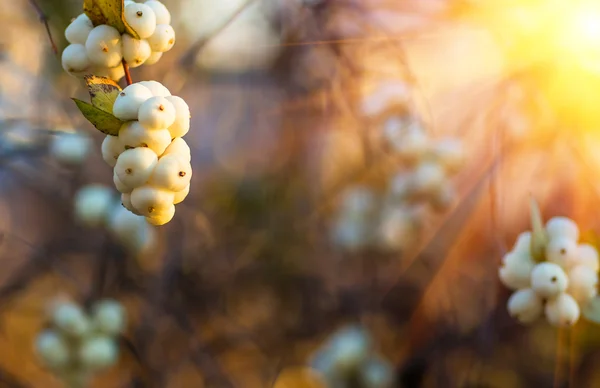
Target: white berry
[(350, 347), (582, 283), (181, 125), (70, 148), (561, 250), (111, 149), (450, 153), (109, 317), (124, 224), (179, 196), (92, 203), (562, 227), (71, 319), (586, 255), (525, 305), (515, 272), (79, 29), (75, 58), (135, 166), (180, 148), (97, 353), (52, 349), (563, 311), (153, 58), (120, 186), (135, 51), (157, 113), (163, 16), (161, 217), (133, 134), (523, 243), (548, 280), (163, 38), (126, 202), (172, 173), (104, 46), (129, 100), (157, 89), (150, 200), (141, 18), (427, 179)]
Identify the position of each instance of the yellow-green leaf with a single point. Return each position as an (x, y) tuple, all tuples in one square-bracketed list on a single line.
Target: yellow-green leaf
[(110, 12), (103, 92), (103, 121), (539, 237)]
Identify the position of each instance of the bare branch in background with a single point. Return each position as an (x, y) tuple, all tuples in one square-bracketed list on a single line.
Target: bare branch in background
[(44, 19)]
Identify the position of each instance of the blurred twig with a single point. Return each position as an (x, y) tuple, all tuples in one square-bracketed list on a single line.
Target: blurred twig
[(44, 19)]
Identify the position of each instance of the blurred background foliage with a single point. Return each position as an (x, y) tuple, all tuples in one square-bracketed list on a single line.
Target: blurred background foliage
[(245, 284)]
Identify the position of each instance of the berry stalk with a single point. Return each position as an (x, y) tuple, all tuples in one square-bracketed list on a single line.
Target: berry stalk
[(127, 73)]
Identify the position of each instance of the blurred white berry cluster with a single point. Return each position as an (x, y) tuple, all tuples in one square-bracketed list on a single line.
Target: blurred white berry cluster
[(77, 344), (151, 161), (98, 206), (561, 285), (100, 49), (69, 147), (347, 360), (417, 170)]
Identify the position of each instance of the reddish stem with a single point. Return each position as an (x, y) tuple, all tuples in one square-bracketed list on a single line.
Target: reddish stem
[(127, 74)]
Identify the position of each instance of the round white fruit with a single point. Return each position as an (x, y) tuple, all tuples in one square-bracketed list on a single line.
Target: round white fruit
[(157, 89), (92, 204), (120, 186), (515, 271), (126, 203), (124, 224), (161, 217), (135, 166), (135, 51), (75, 58), (157, 113), (141, 18), (180, 148), (70, 319), (78, 31), (133, 135), (562, 227), (179, 196), (104, 46), (562, 311), (172, 173), (129, 100), (111, 149), (70, 148), (586, 255), (349, 348), (163, 16), (450, 153), (427, 179), (150, 200), (525, 305), (52, 349), (109, 317), (548, 280), (523, 244), (583, 283), (153, 58), (163, 38), (181, 125), (561, 250), (97, 353)]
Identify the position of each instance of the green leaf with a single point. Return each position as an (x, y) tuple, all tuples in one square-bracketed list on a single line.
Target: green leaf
[(539, 238), (592, 310), (103, 121), (110, 12), (103, 92)]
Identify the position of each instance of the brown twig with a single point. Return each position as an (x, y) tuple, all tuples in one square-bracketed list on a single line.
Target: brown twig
[(188, 59), (44, 19), (127, 73)]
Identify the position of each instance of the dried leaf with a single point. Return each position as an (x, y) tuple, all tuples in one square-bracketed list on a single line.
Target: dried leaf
[(103, 121), (110, 12), (103, 92), (539, 237)]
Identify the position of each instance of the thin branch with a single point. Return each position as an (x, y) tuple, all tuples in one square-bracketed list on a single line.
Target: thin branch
[(127, 73), (188, 58), (44, 19)]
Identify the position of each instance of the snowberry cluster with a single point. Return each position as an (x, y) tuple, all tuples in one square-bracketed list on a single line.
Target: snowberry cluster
[(70, 148), (348, 360), (151, 161), (99, 50), (78, 344), (561, 285), (97, 206), (419, 170)]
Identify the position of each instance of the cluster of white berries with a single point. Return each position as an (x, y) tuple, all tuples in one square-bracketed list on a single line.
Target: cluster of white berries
[(99, 50), (561, 285), (98, 206), (151, 161), (348, 360), (77, 344), (420, 175)]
